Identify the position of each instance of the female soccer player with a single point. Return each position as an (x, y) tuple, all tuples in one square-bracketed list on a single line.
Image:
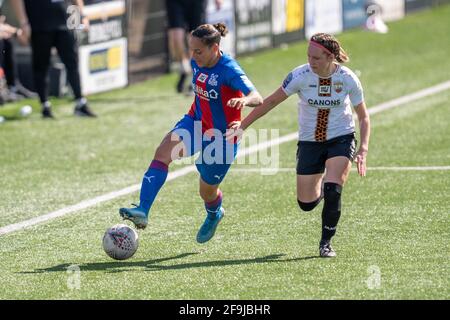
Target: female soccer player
[(221, 90), (327, 130)]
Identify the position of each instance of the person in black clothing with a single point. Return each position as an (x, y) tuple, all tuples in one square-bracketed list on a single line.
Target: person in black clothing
[(6, 32), (46, 22), (16, 89), (184, 16)]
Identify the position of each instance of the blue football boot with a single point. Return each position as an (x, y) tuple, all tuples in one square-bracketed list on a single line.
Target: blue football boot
[(136, 215), (208, 228)]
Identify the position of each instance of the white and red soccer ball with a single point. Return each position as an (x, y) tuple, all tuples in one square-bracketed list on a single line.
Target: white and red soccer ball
[(120, 242)]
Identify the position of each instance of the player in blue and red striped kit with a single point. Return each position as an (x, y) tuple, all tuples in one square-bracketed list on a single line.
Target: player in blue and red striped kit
[(221, 90)]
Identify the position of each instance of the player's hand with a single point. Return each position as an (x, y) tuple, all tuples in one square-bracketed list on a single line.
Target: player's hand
[(24, 34), (85, 23), (234, 132), (6, 30), (237, 103), (360, 160)]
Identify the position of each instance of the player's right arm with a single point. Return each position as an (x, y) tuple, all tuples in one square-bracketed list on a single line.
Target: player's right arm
[(236, 128), (291, 85), (268, 104), (253, 99)]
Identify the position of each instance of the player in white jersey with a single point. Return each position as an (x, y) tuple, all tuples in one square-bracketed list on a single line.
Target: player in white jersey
[(327, 92)]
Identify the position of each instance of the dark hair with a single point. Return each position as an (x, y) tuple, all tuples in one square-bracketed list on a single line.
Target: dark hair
[(210, 34), (332, 45)]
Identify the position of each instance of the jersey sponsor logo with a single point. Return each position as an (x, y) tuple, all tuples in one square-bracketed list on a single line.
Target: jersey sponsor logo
[(213, 80), (287, 80), (324, 87), (202, 77), (206, 95), (213, 94), (326, 103), (324, 90), (338, 86)]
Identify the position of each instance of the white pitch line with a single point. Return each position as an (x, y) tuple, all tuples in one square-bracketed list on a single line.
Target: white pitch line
[(411, 97), (431, 168), (292, 170), (181, 172)]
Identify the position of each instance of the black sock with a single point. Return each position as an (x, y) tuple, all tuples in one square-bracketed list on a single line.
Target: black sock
[(331, 209)]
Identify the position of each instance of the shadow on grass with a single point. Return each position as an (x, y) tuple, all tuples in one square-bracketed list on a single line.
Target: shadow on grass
[(153, 265)]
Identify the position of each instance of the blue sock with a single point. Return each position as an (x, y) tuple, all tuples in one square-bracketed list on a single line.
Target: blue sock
[(214, 206), (153, 180)]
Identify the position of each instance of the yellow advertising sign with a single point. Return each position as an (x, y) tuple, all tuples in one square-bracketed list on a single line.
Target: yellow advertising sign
[(105, 59), (295, 15)]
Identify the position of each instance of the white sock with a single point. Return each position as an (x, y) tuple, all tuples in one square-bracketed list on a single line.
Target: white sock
[(46, 104), (185, 66), (81, 102)]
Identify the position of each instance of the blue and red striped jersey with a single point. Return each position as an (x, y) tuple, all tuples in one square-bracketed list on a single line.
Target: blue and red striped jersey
[(213, 88)]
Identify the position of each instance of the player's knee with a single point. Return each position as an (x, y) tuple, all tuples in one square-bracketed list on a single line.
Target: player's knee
[(163, 153), (208, 195), (332, 194), (308, 206)]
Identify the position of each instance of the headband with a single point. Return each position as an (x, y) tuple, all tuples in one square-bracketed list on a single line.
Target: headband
[(318, 45)]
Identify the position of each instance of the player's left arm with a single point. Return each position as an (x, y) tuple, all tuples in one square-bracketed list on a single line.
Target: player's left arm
[(364, 129), (238, 80)]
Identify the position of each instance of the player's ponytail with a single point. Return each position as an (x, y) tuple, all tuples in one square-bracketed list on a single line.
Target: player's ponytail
[(210, 34), (222, 28), (331, 46), (342, 56)]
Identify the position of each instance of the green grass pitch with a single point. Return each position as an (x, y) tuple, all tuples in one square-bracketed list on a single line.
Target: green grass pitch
[(392, 240)]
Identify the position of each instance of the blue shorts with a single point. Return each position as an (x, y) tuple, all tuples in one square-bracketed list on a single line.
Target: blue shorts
[(216, 154)]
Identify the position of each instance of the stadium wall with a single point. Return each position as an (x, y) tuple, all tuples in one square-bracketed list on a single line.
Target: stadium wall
[(256, 25), (140, 50)]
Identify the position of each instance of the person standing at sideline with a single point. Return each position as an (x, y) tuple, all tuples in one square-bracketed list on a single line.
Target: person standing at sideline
[(183, 17), (45, 22), (327, 141)]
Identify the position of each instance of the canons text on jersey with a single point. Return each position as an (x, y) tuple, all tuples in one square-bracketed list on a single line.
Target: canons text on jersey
[(331, 103)]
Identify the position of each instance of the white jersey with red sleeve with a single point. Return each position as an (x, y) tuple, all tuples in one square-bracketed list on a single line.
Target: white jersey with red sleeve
[(324, 109)]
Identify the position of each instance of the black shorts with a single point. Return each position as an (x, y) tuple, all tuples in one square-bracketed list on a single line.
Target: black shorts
[(311, 156), (186, 14)]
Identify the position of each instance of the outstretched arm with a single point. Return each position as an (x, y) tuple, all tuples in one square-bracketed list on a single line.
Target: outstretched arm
[(269, 103), (253, 99), (237, 128)]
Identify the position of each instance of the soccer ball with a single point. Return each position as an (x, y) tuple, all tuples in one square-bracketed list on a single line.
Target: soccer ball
[(120, 242), (26, 111)]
